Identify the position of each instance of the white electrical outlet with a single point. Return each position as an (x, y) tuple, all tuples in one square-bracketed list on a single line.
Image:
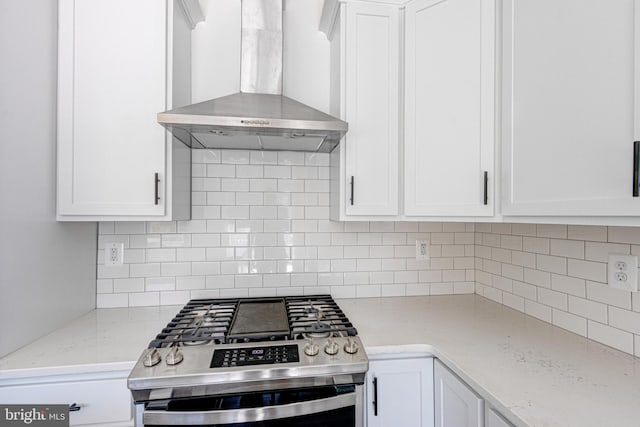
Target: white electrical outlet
[(623, 272), (113, 253), (422, 249)]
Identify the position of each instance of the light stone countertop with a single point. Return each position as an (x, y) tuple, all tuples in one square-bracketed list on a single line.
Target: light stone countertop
[(536, 374)]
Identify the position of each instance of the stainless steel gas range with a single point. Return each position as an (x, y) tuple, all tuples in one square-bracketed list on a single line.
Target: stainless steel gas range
[(286, 361)]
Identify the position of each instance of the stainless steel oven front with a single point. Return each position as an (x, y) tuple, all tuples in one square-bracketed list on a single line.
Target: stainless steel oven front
[(281, 361), (336, 406)]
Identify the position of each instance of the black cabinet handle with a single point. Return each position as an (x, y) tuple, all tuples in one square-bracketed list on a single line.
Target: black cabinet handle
[(486, 187), (636, 165), (74, 407), (375, 396), (156, 184), (351, 183)]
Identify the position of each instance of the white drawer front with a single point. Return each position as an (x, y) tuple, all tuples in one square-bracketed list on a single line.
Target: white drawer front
[(102, 401)]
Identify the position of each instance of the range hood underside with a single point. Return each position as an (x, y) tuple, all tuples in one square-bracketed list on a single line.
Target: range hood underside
[(254, 122), (238, 138)]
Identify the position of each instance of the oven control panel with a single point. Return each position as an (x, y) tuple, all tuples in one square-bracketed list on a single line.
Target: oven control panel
[(243, 356)]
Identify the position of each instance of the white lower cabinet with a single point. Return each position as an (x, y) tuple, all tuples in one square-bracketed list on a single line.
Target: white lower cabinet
[(456, 404), (495, 419), (103, 398), (400, 392)]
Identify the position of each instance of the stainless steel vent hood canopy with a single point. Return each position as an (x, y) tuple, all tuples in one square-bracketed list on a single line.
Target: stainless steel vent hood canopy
[(259, 117)]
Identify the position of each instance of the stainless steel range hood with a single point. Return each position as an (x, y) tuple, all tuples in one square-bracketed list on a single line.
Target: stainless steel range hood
[(259, 117)]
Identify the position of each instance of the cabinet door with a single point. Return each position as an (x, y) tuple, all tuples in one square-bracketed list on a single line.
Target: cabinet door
[(112, 83), (456, 405), (372, 45), (494, 419), (571, 90), (449, 107), (101, 402), (400, 393)]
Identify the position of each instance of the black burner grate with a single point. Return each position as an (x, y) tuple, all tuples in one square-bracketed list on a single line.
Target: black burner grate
[(208, 321)]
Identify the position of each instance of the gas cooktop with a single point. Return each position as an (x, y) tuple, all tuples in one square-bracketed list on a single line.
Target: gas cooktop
[(221, 321), (213, 346)]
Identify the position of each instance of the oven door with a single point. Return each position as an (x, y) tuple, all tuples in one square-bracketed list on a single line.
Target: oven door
[(339, 406)]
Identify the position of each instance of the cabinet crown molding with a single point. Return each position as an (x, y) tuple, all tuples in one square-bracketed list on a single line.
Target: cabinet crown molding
[(331, 7)]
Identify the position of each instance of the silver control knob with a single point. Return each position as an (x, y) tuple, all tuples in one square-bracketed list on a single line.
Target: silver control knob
[(311, 349), (174, 356), (151, 357), (351, 346), (331, 348)]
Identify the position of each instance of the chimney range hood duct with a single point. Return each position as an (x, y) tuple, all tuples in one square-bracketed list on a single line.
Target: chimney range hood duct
[(259, 117)]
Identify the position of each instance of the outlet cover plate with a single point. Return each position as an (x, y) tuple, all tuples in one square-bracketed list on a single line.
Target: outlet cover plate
[(622, 272), (423, 251), (113, 253)]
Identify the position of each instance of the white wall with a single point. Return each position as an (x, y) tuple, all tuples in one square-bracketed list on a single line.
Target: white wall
[(216, 52), (47, 269)]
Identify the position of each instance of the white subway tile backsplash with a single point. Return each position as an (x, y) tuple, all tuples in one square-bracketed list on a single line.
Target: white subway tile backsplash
[(154, 284), (175, 268), (233, 184), (174, 297), (104, 286), (537, 310), (221, 171), (394, 290), (144, 299), (513, 301), (262, 157), (624, 235), (356, 252), (595, 271), (113, 271), (570, 322), (552, 264), (552, 298), (612, 337), (551, 230), (238, 157), (567, 248), (189, 283), (511, 242), (249, 199), (220, 282), (205, 156), (600, 251), (523, 229), (536, 245), (624, 319), (128, 285), (568, 285), (112, 300), (261, 227), (525, 290), (381, 277)]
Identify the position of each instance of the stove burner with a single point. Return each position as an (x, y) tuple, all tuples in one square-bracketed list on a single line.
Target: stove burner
[(318, 330), (313, 312)]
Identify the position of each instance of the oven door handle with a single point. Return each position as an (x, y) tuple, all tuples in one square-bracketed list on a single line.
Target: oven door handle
[(249, 415)]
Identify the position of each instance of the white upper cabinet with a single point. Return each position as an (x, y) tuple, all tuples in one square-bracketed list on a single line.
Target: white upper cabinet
[(416, 83), (570, 100), (372, 103), (365, 86), (116, 72), (449, 107)]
